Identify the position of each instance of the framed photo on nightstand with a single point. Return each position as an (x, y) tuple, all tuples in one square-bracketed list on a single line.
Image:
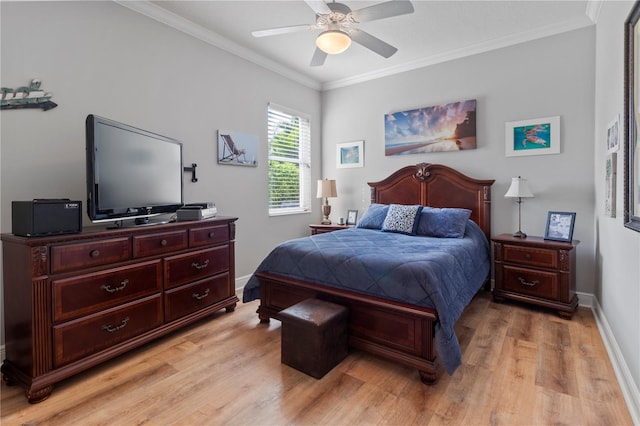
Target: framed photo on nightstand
[(352, 217), (560, 226)]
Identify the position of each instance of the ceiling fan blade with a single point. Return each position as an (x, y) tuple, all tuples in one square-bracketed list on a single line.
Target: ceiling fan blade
[(318, 58), (383, 10), (374, 43), (285, 30), (318, 6)]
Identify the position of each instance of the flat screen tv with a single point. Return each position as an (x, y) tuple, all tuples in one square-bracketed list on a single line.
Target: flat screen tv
[(131, 173)]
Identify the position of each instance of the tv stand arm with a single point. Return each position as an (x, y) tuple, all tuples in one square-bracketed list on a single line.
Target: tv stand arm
[(192, 169)]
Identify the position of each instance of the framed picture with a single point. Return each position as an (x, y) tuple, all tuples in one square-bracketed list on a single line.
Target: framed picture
[(352, 217), (559, 226), (532, 137), (350, 154), (613, 135), (237, 149), (439, 128), (631, 120)]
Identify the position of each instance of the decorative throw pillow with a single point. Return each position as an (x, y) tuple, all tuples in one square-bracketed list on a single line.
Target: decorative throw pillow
[(374, 216), (443, 223), (402, 219)]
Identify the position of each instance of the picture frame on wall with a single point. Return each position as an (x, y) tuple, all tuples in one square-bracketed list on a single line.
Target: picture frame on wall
[(352, 217), (350, 154), (631, 179), (537, 136), (560, 226)]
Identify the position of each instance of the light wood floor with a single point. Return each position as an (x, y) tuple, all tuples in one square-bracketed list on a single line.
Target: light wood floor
[(522, 366)]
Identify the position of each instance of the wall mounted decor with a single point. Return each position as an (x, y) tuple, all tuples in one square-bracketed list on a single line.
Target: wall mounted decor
[(613, 135), (26, 97), (450, 127), (610, 188), (350, 154), (237, 149), (532, 137), (631, 110)]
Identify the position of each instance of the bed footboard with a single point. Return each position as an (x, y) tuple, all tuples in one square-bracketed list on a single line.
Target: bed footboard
[(396, 331)]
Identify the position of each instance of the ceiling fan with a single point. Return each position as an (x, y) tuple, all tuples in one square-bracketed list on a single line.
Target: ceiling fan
[(338, 24)]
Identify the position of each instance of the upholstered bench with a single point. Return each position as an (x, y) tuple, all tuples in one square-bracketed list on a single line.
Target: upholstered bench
[(314, 336)]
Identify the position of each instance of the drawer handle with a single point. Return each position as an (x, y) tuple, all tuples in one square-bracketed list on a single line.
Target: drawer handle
[(200, 296), (109, 289), (528, 283), (163, 243), (527, 256), (112, 328), (200, 265), (94, 253), (212, 234)]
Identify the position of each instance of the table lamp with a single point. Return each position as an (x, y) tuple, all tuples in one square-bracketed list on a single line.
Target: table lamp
[(519, 189), (326, 189)]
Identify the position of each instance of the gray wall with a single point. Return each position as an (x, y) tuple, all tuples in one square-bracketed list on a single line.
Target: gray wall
[(525, 81), (617, 248), (102, 58)]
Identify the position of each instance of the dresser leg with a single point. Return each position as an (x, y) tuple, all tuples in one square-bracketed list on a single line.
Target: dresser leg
[(498, 299), (231, 308), (38, 396), (565, 315)]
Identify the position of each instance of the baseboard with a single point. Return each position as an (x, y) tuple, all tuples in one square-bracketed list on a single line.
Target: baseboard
[(241, 282), (620, 367), (585, 300)]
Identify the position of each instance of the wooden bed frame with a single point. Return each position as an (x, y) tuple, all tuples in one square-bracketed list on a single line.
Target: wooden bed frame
[(394, 330)]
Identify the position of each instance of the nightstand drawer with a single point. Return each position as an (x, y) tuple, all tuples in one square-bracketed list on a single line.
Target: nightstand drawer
[(532, 282), (544, 258)]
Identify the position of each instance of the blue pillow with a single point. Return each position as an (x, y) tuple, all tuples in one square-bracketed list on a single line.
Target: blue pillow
[(373, 217), (443, 223), (402, 219)]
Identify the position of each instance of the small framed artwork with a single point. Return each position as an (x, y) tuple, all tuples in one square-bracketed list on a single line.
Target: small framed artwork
[(350, 154), (352, 217), (613, 135), (532, 137), (237, 149), (560, 226)]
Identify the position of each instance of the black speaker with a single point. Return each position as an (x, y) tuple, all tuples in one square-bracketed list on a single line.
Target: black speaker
[(42, 217)]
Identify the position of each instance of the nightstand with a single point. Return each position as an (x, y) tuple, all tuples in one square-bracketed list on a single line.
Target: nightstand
[(321, 229), (535, 270)]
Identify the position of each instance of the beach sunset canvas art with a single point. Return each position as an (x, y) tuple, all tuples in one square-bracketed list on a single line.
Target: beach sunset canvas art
[(450, 127)]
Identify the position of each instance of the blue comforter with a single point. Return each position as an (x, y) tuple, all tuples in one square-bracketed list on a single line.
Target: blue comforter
[(439, 273)]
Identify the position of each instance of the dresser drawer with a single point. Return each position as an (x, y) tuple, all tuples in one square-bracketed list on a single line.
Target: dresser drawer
[(78, 338), (72, 257), (532, 282), (153, 244), (192, 297), (86, 294), (210, 235), (186, 268), (545, 258)]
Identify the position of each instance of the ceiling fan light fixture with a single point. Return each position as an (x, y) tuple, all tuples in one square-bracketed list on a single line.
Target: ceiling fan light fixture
[(333, 41)]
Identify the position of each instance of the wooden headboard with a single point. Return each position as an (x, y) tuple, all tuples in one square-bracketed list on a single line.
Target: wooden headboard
[(436, 185)]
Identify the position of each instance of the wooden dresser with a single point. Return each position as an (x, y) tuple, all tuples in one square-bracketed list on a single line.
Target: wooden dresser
[(74, 301), (536, 270)]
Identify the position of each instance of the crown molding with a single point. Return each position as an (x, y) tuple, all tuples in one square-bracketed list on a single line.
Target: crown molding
[(474, 49), (593, 10), (179, 23)]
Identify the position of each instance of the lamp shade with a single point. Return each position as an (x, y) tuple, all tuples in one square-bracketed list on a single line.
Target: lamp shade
[(333, 41), (327, 188), (518, 189)]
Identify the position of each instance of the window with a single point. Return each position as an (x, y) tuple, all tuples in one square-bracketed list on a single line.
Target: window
[(289, 140)]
